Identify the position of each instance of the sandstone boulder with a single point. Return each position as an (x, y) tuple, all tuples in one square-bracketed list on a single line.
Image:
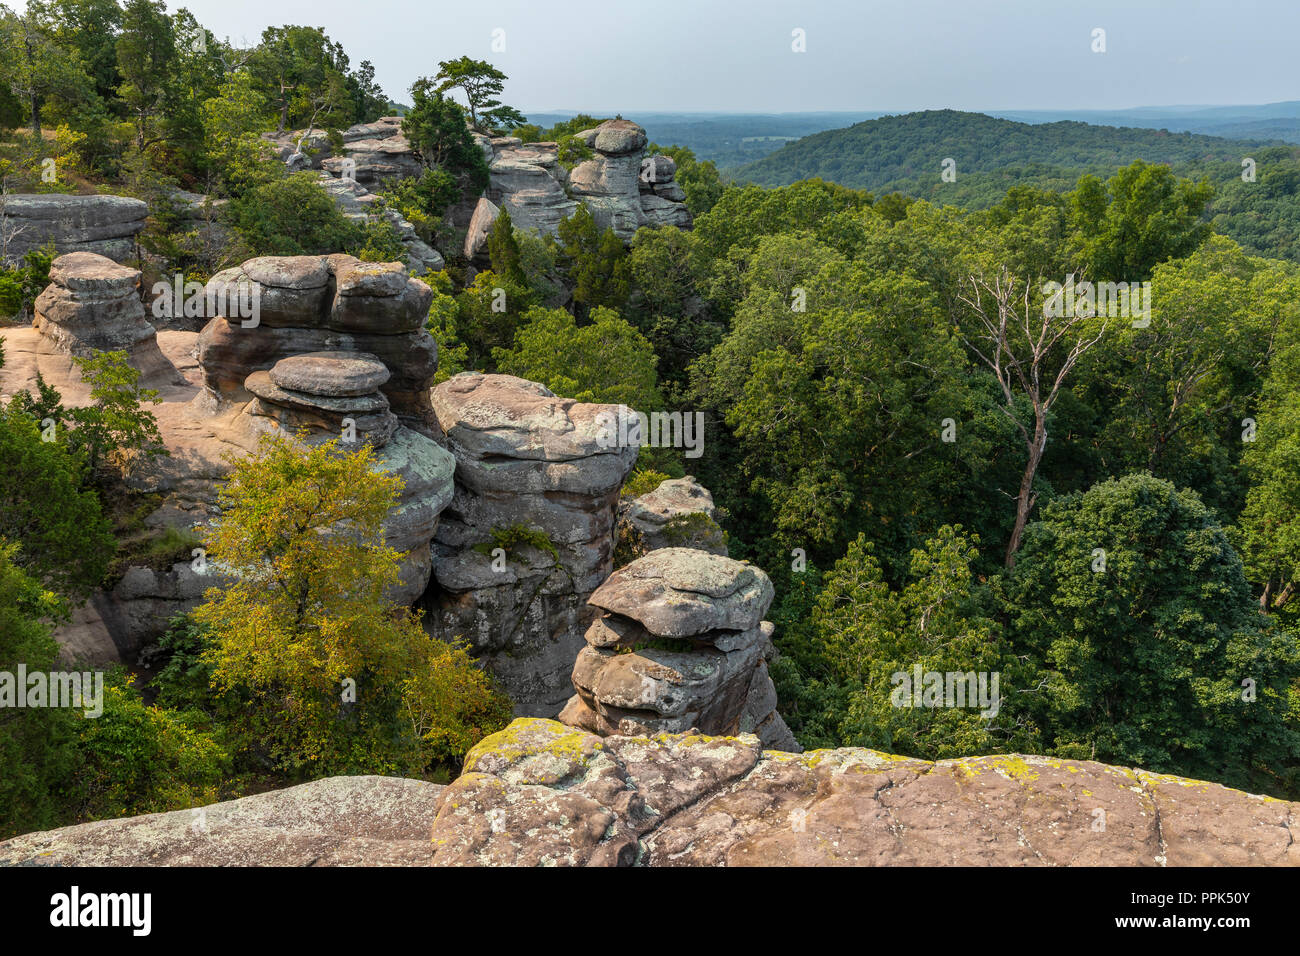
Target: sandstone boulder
[(679, 513), (540, 793), (323, 304), (93, 304), (104, 225), (338, 821), (681, 646), (532, 472)]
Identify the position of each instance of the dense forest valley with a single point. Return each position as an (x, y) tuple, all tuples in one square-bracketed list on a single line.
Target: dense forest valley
[(977, 395)]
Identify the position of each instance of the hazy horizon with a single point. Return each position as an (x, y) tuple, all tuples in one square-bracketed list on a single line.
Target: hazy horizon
[(989, 55)]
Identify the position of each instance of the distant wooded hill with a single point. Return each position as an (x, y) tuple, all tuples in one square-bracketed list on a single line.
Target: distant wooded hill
[(906, 154)]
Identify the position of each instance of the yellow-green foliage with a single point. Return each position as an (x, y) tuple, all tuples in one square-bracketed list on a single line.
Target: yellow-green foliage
[(337, 677)]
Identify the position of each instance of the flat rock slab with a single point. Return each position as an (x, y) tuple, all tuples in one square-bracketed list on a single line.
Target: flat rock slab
[(560, 795), (331, 373), (338, 821), (88, 272), (541, 793)]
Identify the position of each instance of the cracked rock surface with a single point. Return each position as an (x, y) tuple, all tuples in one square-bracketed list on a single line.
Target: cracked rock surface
[(541, 793), (558, 795)]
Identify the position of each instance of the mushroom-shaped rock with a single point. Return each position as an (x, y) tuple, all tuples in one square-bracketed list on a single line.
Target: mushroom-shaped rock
[(680, 592), (93, 304)]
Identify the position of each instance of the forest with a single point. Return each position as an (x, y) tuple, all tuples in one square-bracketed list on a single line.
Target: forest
[(933, 467)]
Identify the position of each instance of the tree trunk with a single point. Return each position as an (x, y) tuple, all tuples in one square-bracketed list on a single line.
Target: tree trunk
[(1025, 499)]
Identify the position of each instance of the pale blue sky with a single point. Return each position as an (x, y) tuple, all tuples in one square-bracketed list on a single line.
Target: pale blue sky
[(735, 55)]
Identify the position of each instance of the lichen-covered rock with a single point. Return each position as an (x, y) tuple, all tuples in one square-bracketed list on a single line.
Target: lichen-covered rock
[(338, 821), (680, 645), (103, 225), (681, 593), (536, 463), (541, 793)]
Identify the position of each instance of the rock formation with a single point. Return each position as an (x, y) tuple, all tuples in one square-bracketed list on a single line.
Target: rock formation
[(677, 514), (528, 180), (374, 153), (105, 225), (358, 204), (540, 793), (338, 821), (93, 304), (531, 468), (329, 393), (316, 304), (678, 644), (623, 190)]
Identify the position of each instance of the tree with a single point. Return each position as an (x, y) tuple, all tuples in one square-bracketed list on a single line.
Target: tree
[(596, 262), (65, 541), (35, 745), (503, 250), (1154, 653), (858, 648), (35, 66), (1141, 216), (303, 74), (435, 127), (481, 83), (1029, 353), (146, 54), (328, 666), (232, 120), (115, 430), (292, 216), (607, 361)]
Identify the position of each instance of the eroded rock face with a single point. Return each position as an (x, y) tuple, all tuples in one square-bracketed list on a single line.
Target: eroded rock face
[(338, 821), (329, 393), (623, 190), (542, 793), (358, 204), (92, 303), (530, 461), (323, 304), (679, 644), (528, 181), (104, 225), (679, 513)]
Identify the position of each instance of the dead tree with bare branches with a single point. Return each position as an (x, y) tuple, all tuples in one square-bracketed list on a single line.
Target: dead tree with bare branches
[(1031, 351)]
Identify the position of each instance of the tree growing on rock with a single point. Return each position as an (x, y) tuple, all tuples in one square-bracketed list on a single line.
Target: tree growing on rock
[(481, 83), (335, 678)]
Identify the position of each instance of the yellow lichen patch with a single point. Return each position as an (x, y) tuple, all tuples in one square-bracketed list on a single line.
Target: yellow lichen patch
[(529, 736)]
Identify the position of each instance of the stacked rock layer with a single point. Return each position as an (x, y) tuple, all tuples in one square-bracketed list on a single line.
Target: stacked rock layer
[(529, 532), (93, 304), (679, 643), (104, 225), (678, 513), (322, 304)]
